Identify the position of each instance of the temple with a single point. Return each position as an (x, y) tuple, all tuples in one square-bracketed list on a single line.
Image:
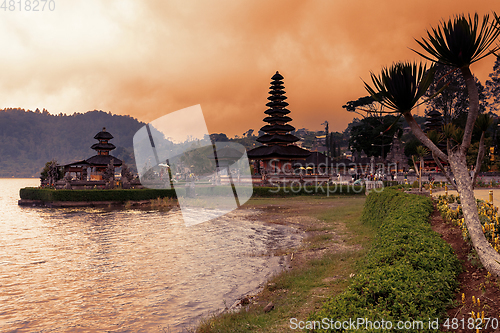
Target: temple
[(93, 167), (278, 152), (396, 159), (435, 123)]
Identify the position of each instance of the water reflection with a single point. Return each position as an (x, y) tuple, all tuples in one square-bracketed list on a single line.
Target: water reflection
[(88, 270)]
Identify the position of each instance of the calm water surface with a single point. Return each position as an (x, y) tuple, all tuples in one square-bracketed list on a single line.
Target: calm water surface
[(98, 270)]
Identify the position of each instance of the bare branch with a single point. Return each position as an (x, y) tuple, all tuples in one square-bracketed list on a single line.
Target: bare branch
[(415, 165)]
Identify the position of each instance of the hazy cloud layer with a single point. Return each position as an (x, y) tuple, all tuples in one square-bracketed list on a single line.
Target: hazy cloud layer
[(147, 58)]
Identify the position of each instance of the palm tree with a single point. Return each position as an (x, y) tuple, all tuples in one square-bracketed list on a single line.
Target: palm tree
[(421, 153), (458, 42)]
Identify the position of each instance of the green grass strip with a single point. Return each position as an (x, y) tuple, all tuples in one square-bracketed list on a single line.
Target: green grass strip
[(317, 190)]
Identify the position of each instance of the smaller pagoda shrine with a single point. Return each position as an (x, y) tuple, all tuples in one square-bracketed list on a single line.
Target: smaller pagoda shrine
[(396, 158), (434, 122), (93, 167), (100, 161), (278, 152)]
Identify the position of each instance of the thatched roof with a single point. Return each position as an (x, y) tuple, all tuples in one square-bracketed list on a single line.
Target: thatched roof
[(103, 160), (276, 151)]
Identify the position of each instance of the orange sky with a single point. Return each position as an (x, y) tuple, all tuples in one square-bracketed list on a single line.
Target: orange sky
[(146, 58)]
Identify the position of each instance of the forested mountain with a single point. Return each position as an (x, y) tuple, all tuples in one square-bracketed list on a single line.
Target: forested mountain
[(28, 139)]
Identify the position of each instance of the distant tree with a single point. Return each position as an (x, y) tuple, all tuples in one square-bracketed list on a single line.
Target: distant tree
[(333, 146), (50, 173), (126, 176), (472, 155), (411, 146), (452, 98), (327, 138), (248, 133), (197, 159), (216, 137), (493, 87), (365, 135), (366, 104), (310, 139)]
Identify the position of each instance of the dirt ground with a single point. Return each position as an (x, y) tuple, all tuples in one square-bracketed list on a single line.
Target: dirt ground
[(475, 282), (299, 214)]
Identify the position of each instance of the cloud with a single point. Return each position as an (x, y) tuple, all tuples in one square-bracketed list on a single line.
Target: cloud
[(148, 58)]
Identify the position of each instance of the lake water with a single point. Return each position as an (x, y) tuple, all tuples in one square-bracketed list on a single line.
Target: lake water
[(118, 270)]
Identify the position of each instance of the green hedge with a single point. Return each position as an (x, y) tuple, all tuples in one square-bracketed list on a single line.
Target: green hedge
[(323, 190), (51, 195), (388, 183), (409, 274)]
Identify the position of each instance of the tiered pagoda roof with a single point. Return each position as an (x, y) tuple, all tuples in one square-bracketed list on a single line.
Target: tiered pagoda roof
[(434, 122), (277, 142), (103, 147)]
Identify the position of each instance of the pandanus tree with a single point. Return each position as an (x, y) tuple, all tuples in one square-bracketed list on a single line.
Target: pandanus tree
[(421, 153), (458, 42)]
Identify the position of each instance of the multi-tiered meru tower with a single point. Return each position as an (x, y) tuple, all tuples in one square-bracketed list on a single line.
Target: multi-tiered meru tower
[(435, 123), (278, 151)]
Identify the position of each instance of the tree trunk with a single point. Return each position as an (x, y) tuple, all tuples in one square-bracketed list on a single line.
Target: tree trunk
[(487, 254), (464, 182), (420, 173), (419, 134), (479, 161), (445, 173), (473, 108)]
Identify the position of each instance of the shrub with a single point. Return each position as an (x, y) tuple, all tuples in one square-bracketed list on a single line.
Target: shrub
[(51, 195), (390, 183), (410, 272)]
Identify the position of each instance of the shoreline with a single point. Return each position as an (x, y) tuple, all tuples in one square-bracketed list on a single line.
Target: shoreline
[(279, 260), (326, 236), (68, 204)]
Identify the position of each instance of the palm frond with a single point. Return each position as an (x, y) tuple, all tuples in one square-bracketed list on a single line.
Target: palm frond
[(422, 151), (461, 41), (448, 130), (483, 121), (435, 137), (458, 135), (400, 86)]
